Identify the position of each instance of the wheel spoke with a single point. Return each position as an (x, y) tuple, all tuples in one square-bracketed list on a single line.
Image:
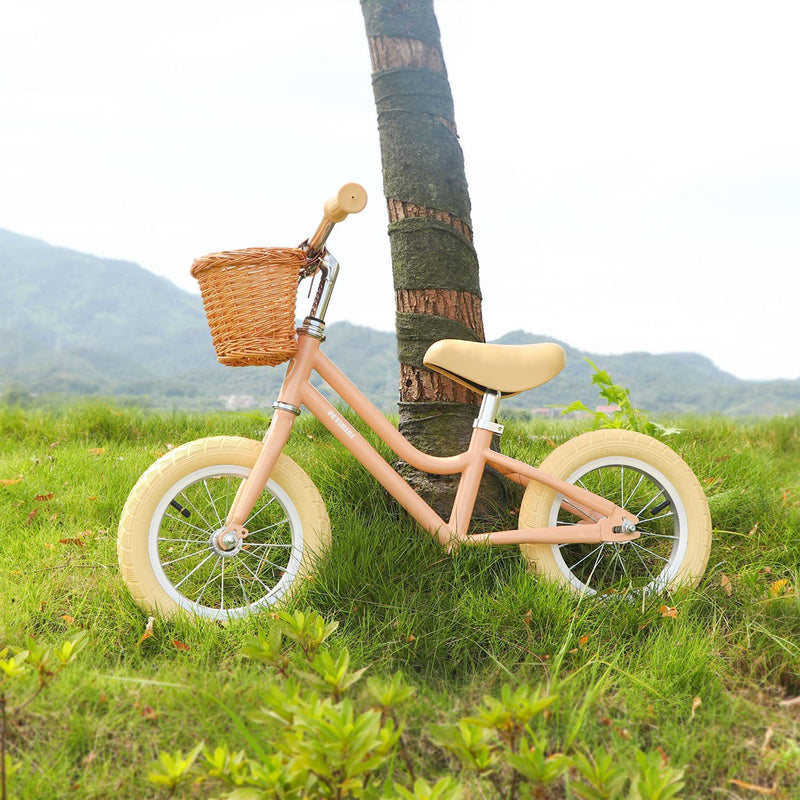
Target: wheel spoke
[(265, 585), (222, 585), (208, 580), (204, 531), (609, 564), (180, 541), (622, 564), (589, 555), (657, 535), (249, 544), (241, 584), (596, 562), (260, 510), (644, 564), (190, 504), (183, 558), (189, 575), (293, 548), (270, 527), (264, 560), (213, 504), (638, 547), (652, 500), (660, 516), (580, 511), (633, 493)]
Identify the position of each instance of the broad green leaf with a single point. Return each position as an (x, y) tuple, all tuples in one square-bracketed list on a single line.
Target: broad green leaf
[(14, 666), (605, 780), (390, 694), (172, 769), (533, 764)]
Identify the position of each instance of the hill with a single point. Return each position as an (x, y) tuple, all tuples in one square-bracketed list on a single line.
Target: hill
[(75, 324)]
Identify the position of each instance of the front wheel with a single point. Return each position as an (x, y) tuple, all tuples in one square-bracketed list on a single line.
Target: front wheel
[(641, 475), (167, 545)]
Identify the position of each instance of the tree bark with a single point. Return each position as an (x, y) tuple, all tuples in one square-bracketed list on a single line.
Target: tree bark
[(434, 263)]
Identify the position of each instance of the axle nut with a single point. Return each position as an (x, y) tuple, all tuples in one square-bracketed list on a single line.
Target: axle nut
[(229, 540)]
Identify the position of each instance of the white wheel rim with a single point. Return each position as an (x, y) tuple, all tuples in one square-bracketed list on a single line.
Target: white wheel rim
[(290, 572), (671, 569)]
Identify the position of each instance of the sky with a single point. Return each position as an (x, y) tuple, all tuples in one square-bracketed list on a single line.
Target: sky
[(634, 167)]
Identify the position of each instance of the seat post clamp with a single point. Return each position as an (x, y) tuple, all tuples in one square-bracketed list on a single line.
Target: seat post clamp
[(494, 427)]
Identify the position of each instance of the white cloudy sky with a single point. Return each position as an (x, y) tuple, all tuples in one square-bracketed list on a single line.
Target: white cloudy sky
[(634, 167)]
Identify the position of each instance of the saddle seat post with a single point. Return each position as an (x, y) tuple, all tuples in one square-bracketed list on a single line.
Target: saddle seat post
[(487, 416), (484, 428)]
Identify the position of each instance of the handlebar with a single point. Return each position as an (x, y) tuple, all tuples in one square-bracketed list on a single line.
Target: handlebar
[(350, 199)]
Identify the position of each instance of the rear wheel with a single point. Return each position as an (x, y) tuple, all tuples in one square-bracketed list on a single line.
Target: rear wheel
[(168, 549), (643, 476)]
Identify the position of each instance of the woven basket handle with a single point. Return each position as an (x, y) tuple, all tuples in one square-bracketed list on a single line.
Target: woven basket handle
[(350, 199)]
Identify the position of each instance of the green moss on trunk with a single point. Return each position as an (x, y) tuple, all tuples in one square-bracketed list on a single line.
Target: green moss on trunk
[(415, 332), (429, 254), (415, 20)]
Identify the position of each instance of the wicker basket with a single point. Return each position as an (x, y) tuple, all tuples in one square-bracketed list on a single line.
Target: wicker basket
[(249, 297)]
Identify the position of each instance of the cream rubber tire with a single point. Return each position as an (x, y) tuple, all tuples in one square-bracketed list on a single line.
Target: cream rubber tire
[(645, 477), (168, 547)]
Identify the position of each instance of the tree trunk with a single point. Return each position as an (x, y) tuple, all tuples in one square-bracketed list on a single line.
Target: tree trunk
[(434, 263)]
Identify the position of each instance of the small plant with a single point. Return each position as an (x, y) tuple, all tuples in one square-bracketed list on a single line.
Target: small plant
[(173, 769), (444, 789), (653, 779), (47, 663), (307, 628), (329, 745), (624, 414), (500, 744), (332, 675), (604, 777)]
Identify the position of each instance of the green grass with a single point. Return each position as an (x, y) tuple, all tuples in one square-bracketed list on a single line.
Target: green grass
[(458, 626)]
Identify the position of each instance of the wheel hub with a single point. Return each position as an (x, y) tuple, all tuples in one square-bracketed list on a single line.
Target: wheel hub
[(225, 543)]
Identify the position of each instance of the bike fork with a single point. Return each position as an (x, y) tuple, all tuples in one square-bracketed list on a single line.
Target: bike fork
[(251, 487), (286, 411)]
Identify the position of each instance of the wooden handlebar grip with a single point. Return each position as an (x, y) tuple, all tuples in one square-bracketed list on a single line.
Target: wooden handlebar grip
[(350, 199)]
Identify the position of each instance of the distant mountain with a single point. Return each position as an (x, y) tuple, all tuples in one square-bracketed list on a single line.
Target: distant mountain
[(75, 324)]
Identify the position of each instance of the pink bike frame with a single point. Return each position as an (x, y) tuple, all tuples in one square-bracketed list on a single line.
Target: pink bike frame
[(601, 520)]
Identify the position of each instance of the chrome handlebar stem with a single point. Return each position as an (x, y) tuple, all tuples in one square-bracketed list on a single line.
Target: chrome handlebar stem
[(329, 271)]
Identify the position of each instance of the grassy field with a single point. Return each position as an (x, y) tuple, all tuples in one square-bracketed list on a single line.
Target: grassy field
[(703, 686)]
